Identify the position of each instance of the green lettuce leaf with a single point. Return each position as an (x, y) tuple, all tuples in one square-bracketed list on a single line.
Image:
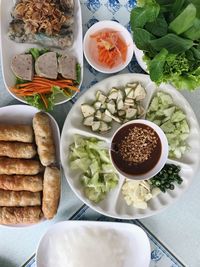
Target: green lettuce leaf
[(36, 52)]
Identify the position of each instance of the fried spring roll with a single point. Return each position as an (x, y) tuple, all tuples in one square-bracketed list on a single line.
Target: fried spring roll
[(51, 192), (17, 150), (24, 215), (21, 182), (44, 138), (19, 199), (20, 133), (19, 166)]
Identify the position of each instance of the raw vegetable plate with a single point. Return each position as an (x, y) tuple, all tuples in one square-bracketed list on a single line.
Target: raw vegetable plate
[(168, 34), (9, 49), (84, 149)]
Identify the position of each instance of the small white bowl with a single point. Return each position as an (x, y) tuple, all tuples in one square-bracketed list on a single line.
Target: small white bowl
[(163, 156), (108, 25)]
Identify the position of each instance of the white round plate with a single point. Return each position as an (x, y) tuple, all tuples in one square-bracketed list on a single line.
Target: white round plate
[(114, 204), (51, 244), (23, 114), (139, 57), (10, 48)]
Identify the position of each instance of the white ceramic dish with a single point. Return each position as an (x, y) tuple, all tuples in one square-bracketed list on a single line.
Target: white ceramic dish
[(23, 114), (137, 241), (163, 156), (114, 205), (139, 57), (10, 48), (108, 25)]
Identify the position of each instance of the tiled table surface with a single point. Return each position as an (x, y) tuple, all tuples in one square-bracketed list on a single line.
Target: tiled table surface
[(178, 227)]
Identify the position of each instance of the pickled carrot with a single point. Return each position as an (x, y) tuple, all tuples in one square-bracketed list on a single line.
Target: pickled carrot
[(112, 49)]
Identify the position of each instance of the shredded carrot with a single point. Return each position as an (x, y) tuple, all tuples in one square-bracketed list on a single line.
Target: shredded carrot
[(44, 99), (112, 49), (40, 85)]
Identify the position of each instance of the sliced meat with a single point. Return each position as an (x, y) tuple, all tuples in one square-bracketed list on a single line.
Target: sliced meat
[(67, 67), (22, 66), (47, 66)]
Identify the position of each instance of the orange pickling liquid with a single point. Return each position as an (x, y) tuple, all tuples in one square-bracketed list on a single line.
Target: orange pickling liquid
[(108, 48)]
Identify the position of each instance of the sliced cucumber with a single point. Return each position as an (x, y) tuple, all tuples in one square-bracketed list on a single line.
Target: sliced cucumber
[(111, 106), (107, 112), (127, 90), (97, 105), (131, 94), (96, 126), (140, 93), (87, 110), (100, 97), (129, 101), (113, 94), (98, 115), (120, 95), (104, 127), (106, 118), (120, 104), (121, 113), (132, 85), (131, 113), (88, 121)]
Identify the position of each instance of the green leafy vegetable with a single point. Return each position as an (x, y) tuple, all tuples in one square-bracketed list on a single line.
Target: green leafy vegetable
[(184, 21), (157, 64), (175, 27), (142, 39), (141, 15), (177, 7), (193, 32), (20, 81), (158, 27), (36, 52), (173, 43), (89, 156), (36, 100)]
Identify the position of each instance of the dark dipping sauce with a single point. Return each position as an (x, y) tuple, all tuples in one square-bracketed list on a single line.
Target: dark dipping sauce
[(136, 149)]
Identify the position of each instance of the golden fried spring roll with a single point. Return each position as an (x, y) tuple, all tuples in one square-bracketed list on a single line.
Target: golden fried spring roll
[(44, 138), (19, 199), (23, 215), (19, 166), (21, 182), (20, 133), (17, 150), (51, 192)]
